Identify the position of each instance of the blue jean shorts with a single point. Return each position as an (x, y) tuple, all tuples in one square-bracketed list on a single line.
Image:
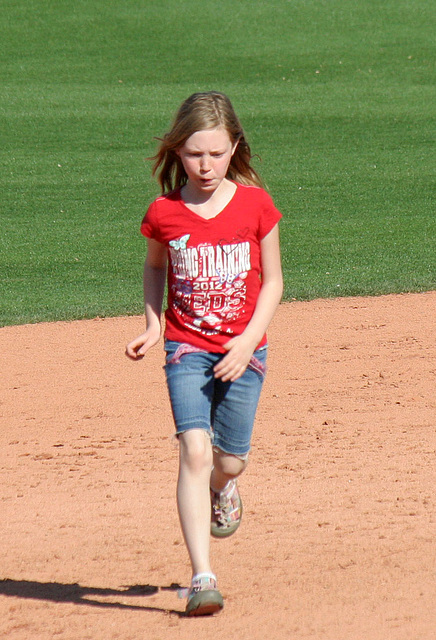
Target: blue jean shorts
[(225, 410)]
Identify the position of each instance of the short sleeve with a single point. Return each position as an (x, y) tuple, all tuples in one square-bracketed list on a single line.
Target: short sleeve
[(150, 225), (269, 217)]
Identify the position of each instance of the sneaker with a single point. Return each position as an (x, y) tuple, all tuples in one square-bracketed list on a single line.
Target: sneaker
[(226, 510), (204, 599)]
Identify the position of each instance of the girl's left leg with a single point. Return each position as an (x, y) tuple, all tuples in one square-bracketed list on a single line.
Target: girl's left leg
[(225, 467), (234, 410), (226, 502)]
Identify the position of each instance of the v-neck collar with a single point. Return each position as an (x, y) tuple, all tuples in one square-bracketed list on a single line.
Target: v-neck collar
[(219, 214)]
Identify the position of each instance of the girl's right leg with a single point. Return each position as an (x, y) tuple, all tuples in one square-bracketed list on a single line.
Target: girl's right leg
[(193, 498), (190, 384)]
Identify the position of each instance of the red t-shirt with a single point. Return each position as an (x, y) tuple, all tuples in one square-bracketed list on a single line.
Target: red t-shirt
[(214, 266)]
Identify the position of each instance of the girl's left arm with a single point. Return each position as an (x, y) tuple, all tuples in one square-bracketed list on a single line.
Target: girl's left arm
[(241, 348)]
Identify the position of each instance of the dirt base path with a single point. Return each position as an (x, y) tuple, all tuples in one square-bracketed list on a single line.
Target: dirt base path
[(338, 540)]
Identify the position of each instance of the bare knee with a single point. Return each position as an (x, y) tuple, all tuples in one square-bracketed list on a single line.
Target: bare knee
[(227, 465), (195, 450)]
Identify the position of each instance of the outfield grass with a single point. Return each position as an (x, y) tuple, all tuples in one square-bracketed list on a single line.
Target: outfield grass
[(337, 99)]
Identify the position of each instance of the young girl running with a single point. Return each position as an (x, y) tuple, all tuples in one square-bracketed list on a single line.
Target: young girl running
[(215, 231)]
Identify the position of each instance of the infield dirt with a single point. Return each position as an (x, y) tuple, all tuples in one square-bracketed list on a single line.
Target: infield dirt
[(338, 540)]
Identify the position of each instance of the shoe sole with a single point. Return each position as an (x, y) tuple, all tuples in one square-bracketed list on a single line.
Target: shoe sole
[(204, 603), (225, 532)]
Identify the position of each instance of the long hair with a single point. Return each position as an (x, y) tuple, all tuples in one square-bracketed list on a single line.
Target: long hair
[(201, 111)]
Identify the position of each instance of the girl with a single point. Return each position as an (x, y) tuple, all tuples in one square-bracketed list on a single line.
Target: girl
[(216, 232)]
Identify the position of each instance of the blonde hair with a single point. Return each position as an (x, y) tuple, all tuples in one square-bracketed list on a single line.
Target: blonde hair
[(201, 111)]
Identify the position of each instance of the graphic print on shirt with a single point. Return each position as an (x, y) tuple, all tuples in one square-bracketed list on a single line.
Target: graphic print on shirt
[(209, 283)]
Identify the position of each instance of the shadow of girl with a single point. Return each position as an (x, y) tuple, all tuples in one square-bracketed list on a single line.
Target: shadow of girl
[(77, 594)]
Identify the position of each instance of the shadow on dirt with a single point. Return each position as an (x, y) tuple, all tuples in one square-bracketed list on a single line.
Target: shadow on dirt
[(75, 593)]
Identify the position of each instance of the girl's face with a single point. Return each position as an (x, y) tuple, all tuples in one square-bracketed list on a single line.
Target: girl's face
[(206, 156)]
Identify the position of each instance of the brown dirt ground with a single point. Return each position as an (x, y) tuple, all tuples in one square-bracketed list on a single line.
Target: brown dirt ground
[(338, 538)]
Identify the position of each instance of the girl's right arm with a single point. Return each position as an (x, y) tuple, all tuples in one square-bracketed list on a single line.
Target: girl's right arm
[(155, 269)]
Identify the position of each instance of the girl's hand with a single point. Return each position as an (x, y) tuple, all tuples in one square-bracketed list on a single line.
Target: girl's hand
[(137, 348), (238, 356), (240, 349)]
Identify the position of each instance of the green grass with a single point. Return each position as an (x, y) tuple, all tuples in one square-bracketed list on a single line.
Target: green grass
[(337, 98)]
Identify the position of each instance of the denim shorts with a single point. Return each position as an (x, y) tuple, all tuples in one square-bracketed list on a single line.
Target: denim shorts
[(225, 410)]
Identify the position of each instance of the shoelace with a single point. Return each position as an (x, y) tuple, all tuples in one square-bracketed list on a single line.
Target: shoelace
[(197, 584), (223, 506)]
